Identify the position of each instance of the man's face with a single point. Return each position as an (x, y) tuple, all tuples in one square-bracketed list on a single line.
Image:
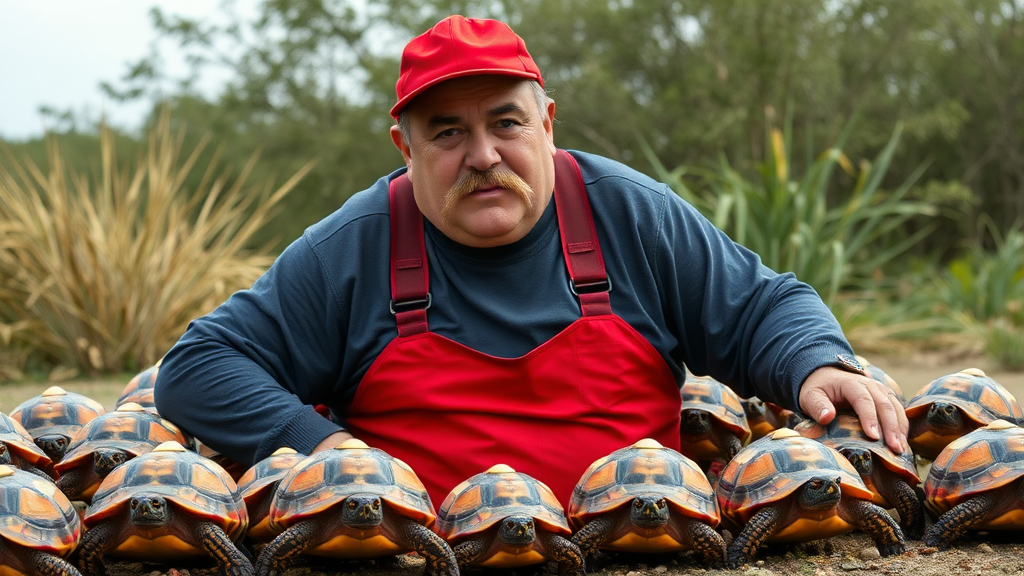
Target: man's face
[(480, 156)]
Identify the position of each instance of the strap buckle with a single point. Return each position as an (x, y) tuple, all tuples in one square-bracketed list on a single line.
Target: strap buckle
[(411, 305), (603, 285)]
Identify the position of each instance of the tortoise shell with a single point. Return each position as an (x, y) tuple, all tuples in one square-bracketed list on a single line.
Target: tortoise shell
[(982, 460), (18, 442), (130, 428), (34, 514), (257, 488), (484, 499), (325, 479), (643, 468), (773, 467), (234, 468), (56, 411), (981, 398), (140, 389), (718, 400), (193, 484), (845, 431)]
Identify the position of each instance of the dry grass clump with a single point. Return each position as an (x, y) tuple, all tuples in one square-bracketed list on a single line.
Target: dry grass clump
[(104, 273)]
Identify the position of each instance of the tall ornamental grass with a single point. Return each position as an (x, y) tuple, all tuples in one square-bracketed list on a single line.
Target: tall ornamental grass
[(789, 221), (103, 273)]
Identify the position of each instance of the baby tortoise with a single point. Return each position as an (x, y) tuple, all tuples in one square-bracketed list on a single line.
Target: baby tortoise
[(54, 416)]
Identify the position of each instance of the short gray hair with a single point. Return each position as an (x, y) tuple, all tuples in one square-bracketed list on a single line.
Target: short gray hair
[(539, 94)]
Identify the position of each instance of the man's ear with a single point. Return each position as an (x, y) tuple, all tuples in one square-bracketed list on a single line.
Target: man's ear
[(401, 144), (549, 126)]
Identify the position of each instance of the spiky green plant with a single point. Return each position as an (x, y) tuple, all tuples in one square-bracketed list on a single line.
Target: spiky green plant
[(105, 273), (789, 221)]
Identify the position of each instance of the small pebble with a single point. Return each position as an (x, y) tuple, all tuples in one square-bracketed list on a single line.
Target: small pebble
[(660, 569), (869, 554), (759, 563), (984, 548), (851, 566), (633, 573)]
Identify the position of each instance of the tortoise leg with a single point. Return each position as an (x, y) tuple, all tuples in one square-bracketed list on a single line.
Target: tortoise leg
[(959, 519), (732, 445), (49, 565), (231, 560), (276, 556), (758, 529), (876, 522), (440, 559), (467, 551), (94, 544), (593, 534), (567, 554), (70, 483), (708, 543), (904, 499)]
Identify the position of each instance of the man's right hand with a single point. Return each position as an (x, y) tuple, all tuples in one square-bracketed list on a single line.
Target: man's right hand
[(332, 441)]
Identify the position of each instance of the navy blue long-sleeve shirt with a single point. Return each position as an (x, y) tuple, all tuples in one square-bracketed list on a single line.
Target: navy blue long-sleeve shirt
[(242, 378)]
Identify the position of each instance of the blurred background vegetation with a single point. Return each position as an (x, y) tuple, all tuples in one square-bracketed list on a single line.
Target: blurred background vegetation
[(874, 148)]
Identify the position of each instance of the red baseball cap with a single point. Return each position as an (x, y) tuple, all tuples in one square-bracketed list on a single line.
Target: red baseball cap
[(459, 46)]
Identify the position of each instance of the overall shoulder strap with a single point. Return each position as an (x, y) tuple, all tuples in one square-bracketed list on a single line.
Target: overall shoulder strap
[(410, 281), (589, 280)]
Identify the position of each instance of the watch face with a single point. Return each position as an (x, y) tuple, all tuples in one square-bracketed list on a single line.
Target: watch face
[(850, 361)]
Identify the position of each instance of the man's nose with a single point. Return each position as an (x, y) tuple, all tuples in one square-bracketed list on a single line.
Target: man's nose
[(482, 153)]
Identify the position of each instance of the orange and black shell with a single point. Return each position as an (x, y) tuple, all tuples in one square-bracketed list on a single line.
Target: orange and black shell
[(614, 480), (129, 428), (56, 411), (234, 468), (773, 467), (981, 398), (323, 480), (196, 485), (485, 499), (257, 486), (979, 461), (20, 443), (140, 389), (845, 431), (717, 399), (35, 514)]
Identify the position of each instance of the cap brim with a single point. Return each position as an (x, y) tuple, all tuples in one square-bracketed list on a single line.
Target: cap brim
[(397, 108)]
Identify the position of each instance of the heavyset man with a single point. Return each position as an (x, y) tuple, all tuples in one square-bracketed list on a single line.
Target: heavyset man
[(498, 300)]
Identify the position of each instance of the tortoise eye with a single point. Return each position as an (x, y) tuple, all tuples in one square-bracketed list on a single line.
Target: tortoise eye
[(376, 504), (352, 505)]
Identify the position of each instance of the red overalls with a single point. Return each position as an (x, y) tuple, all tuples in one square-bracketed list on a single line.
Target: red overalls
[(451, 412)]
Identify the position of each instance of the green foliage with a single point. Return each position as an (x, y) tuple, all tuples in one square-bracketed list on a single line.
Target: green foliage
[(986, 284), (105, 272), (789, 221)]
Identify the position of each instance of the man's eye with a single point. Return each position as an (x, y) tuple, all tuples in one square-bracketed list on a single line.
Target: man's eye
[(446, 133), (507, 123)]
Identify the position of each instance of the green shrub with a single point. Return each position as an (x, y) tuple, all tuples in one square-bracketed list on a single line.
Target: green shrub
[(104, 274)]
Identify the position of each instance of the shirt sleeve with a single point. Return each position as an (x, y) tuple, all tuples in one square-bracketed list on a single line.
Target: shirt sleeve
[(742, 323), (243, 379)]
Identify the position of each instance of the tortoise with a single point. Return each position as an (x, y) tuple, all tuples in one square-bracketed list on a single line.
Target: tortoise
[(764, 417), (880, 375), (975, 484), (953, 405), (353, 501), (164, 505), (713, 424), (257, 488), (140, 389), (39, 528), (233, 467), (19, 450), (501, 518), (646, 498), (787, 488), (54, 416), (891, 477), (107, 442)]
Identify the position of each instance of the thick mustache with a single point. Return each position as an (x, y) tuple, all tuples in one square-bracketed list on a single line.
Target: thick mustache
[(480, 180)]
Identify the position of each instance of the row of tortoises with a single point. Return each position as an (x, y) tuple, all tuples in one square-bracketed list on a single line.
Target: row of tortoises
[(597, 534)]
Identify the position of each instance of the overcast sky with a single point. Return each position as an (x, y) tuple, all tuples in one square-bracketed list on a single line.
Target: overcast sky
[(56, 52)]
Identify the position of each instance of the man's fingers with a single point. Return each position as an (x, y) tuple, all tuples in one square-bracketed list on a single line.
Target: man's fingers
[(817, 404), (863, 403)]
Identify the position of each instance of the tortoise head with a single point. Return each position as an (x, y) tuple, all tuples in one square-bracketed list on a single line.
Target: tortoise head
[(54, 445), (945, 415), (695, 422), (5, 454), (517, 530), (753, 407), (819, 493), (105, 460), (860, 458), (149, 510), (649, 511), (362, 511)]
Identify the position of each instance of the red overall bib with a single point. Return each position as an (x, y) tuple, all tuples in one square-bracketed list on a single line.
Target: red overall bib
[(451, 412)]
